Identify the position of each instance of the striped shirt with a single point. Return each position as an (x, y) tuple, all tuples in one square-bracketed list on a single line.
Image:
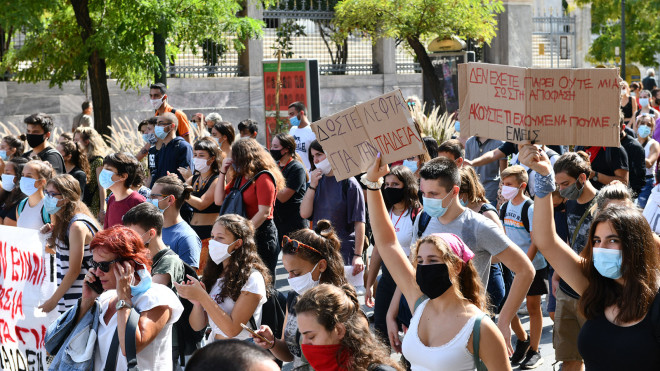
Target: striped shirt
[(75, 291)]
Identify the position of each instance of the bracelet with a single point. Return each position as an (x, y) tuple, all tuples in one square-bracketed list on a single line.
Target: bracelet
[(354, 254), (377, 184), (313, 188), (273, 346), (373, 189), (225, 173)]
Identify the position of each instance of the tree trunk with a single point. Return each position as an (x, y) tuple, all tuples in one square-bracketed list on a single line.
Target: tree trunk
[(96, 69), (436, 84), (159, 50)]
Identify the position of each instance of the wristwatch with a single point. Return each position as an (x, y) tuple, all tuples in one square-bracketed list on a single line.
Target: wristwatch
[(595, 178), (122, 304)]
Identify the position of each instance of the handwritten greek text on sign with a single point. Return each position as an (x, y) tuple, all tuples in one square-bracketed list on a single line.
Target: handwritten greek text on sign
[(22, 325), (352, 138), (550, 106)]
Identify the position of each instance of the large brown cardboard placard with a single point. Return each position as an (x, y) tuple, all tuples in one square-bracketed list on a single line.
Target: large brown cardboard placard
[(352, 138), (549, 106)]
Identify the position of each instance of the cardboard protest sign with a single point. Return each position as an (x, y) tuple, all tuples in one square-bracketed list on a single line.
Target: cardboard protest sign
[(22, 325), (352, 138), (549, 106)]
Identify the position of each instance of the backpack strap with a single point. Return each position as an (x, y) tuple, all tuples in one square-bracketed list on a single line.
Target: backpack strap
[(525, 214), (21, 206), (173, 110), (419, 301), (113, 352), (131, 346), (591, 205), (476, 334), (247, 184), (424, 220), (45, 217), (503, 211)]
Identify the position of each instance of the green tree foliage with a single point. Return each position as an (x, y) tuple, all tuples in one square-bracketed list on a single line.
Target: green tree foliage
[(77, 39), (417, 20), (642, 30)]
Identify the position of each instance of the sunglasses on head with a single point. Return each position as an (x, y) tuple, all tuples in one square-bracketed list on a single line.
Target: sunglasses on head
[(104, 266), (295, 245)]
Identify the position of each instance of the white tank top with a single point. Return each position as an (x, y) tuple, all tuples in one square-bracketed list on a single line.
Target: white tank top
[(453, 355), (647, 150)]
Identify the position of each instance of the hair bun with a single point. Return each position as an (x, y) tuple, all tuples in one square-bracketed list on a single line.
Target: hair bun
[(583, 155), (322, 226), (22, 137)]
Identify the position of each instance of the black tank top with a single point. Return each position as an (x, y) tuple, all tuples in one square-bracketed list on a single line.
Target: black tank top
[(627, 109), (213, 208), (606, 346)]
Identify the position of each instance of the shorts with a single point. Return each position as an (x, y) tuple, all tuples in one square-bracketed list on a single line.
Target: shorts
[(552, 302), (539, 286), (568, 323)]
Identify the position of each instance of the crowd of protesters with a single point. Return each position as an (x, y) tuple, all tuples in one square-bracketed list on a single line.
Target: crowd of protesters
[(179, 244)]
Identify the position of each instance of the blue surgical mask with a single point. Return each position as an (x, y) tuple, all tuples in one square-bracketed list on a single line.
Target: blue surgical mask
[(105, 178), (155, 202), (412, 165), (463, 203), (295, 121), (644, 102), (160, 132), (643, 131), (150, 138), (457, 126), (3, 155), (8, 182), (144, 285), (27, 186), (607, 262), (433, 206), (50, 204)]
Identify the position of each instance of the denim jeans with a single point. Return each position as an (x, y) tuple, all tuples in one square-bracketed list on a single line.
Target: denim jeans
[(384, 294), (645, 192), (495, 287)]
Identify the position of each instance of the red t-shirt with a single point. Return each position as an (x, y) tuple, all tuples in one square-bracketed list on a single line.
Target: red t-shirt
[(116, 209), (260, 192)]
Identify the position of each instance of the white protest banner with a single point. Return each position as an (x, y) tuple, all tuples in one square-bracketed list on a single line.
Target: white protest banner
[(352, 138), (549, 106), (22, 275)]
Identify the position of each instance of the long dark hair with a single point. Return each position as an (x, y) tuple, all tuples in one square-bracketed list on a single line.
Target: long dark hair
[(639, 268), (78, 156), (70, 189), (209, 146), (250, 158), (14, 142), (242, 262), (410, 189), (324, 239), (315, 145), (332, 305), (9, 200)]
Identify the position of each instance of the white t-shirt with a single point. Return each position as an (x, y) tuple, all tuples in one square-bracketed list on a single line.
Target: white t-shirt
[(256, 285), (403, 226), (155, 356), (31, 216), (652, 209), (304, 137)]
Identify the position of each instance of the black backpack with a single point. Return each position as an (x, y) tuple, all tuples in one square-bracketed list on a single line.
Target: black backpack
[(188, 339), (233, 202), (525, 214), (272, 313)]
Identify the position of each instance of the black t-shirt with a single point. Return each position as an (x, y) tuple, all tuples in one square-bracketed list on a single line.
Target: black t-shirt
[(636, 163), (574, 212), (510, 148), (287, 214), (151, 160), (51, 155), (607, 161), (81, 177)]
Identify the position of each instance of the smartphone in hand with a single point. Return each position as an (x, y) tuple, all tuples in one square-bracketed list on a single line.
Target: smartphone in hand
[(96, 285), (255, 334)]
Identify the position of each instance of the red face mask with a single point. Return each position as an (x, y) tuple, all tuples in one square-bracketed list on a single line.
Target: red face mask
[(324, 357)]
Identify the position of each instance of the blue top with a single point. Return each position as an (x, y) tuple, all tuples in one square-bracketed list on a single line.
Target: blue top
[(183, 240), (171, 156)]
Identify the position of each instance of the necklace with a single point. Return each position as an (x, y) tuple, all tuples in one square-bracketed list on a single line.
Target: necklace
[(397, 221), (200, 183)]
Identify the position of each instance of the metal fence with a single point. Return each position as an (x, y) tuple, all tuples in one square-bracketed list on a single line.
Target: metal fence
[(553, 42), (212, 58), (405, 59), (352, 57)]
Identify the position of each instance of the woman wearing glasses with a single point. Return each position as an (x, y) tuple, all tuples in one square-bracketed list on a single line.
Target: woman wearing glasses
[(73, 227), (234, 284), (120, 262), (311, 257)]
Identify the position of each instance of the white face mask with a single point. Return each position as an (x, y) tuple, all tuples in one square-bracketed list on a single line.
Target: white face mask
[(156, 103), (303, 283), (200, 164), (219, 251), (324, 166), (8, 182), (509, 192)]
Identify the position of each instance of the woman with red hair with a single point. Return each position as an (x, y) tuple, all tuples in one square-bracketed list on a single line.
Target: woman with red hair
[(122, 266)]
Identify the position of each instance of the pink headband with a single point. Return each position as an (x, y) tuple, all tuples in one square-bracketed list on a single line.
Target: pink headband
[(457, 245)]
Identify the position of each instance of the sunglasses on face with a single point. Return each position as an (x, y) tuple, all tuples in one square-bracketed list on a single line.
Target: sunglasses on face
[(294, 245), (104, 266)]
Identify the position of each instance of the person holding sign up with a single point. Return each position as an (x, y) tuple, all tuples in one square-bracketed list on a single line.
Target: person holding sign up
[(340, 202)]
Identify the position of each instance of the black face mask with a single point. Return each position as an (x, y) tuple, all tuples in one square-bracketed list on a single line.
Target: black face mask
[(433, 280), (34, 140), (277, 154), (392, 195)]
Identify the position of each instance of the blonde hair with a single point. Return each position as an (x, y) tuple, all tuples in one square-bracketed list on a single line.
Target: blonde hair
[(96, 146), (516, 171)]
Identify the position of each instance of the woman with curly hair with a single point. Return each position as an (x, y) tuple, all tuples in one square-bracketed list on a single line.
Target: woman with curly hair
[(441, 286), (73, 228), (75, 162), (311, 257), (253, 163), (234, 284), (335, 332), (92, 142)]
